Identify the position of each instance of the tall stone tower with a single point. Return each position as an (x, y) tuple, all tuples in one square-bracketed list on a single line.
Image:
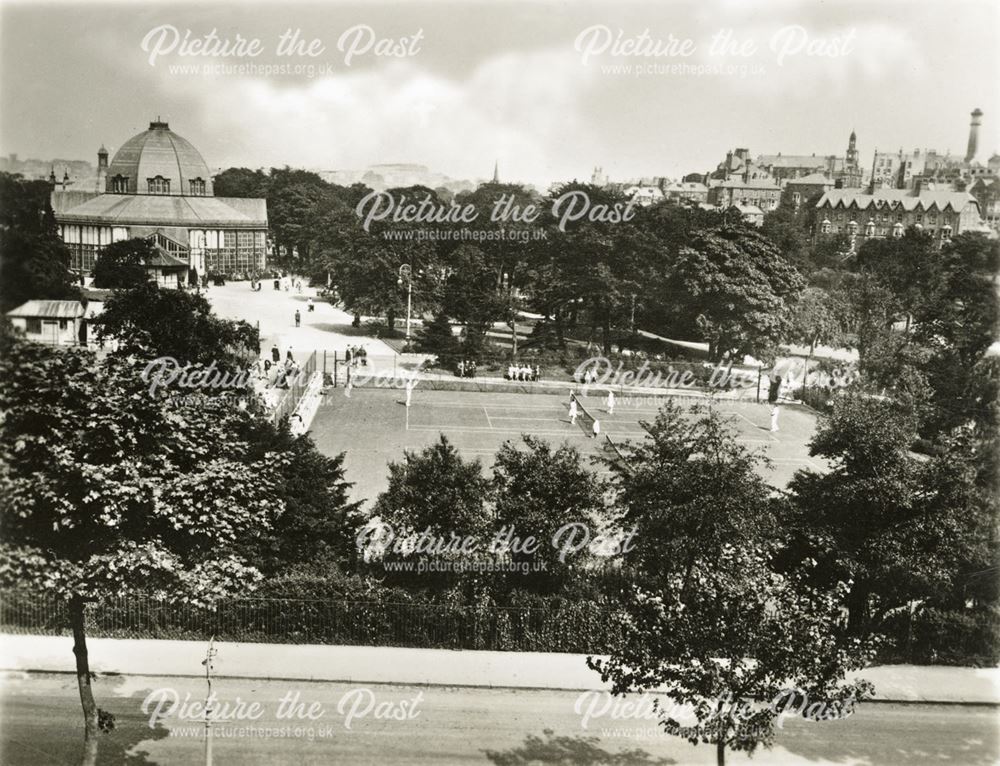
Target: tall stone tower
[(977, 119), (851, 158)]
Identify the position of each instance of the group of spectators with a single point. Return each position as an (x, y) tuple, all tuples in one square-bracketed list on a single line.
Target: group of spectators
[(523, 372), (283, 370), (357, 355), (466, 368)]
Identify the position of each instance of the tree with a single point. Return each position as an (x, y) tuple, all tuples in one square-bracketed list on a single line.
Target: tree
[(732, 633), (869, 310), (154, 322), (816, 318), (120, 264), (739, 288), (690, 488), (897, 529), (597, 267), (435, 489), (957, 323), (319, 522), (537, 491), (365, 266), (438, 338), (295, 201), (787, 228), (709, 618), (34, 261), (241, 182), (908, 266), (107, 489), (502, 260), (472, 292)]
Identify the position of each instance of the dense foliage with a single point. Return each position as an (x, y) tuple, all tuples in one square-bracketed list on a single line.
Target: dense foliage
[(34, 262)]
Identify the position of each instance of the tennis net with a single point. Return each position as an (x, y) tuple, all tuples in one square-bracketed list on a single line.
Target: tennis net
[(584, 418)]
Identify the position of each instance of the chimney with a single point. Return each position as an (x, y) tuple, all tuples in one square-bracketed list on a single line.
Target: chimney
[(977, 118), (102, 169)]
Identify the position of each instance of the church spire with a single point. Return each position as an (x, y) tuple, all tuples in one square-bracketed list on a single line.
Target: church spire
[(496, 171)]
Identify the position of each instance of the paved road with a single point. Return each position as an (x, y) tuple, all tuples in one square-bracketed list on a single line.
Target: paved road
[(327, 328), (435, 725)]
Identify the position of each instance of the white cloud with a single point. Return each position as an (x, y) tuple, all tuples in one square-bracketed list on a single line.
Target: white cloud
[(512, 108)]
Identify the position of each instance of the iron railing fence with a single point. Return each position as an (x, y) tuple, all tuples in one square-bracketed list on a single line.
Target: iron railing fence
[(581, 627), (297, 385)]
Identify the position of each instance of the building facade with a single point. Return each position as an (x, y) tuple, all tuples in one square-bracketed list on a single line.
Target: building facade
[(987, 194), (930, 170), (54, 323), (687, 191), (158, 187), (761, 192), (798, 191), (879, 213)]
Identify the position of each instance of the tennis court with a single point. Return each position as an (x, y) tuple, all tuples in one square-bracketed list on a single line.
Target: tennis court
[(373, 426)]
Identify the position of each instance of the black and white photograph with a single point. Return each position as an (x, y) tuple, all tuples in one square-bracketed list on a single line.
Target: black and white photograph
[(499, 382)]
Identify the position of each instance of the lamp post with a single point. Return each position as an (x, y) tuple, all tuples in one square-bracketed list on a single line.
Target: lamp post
[(405, 272)]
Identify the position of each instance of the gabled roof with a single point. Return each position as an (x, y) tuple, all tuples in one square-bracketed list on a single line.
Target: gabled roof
[(163, 259), (159, 210), (894, 199), (48, 310)]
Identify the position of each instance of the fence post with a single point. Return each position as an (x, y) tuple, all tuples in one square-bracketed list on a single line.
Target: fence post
[(759, 368), (334, 369)]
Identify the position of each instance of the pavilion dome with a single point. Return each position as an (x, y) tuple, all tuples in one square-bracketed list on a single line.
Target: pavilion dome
[(158, 161)]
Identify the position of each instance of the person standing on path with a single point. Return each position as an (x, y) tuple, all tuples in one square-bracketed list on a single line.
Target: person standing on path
[(611, 402), (409, 390), (298, 318), (572, 409), (288, 355), (597, 428), (275, 354), (773, 395)]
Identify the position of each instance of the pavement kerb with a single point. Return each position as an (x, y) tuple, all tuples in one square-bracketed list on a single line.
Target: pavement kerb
[(426, 667)]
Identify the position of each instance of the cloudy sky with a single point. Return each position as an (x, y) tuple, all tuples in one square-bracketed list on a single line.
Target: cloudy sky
[(541, 86)]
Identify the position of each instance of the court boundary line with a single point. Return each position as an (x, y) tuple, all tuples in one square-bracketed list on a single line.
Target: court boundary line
[(570, 430), (771, 435)]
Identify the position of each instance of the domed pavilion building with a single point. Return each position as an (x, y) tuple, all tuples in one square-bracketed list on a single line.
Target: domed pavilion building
[(158, 186)]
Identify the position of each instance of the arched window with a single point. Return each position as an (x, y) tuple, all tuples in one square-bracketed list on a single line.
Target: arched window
[(870, 229), (158, 185), (897, 230), (825, 226), (118, 184), (852, 228), (946, 231), (198, 187)]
